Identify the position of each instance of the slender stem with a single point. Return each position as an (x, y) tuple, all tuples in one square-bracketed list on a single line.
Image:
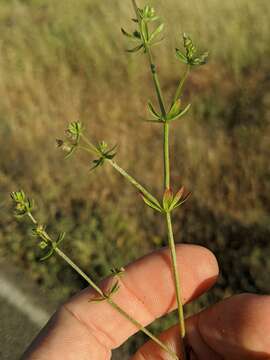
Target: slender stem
[(172, 243), (153, 67), (181, 84), (166, 156), (34, 221), (132, 181), (104, 295), (79, 271), (121, 171), (87, 149), (167, 176), (143, 329), (91, 146), (176, 275), (135, 6)]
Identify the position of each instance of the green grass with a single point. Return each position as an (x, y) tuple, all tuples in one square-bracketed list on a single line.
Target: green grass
[(63, 61)]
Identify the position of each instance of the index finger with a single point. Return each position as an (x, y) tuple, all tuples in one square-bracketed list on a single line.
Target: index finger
[(146, 293)]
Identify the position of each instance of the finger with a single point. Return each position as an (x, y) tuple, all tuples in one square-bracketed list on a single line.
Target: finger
[(146, 293), (237, 328)]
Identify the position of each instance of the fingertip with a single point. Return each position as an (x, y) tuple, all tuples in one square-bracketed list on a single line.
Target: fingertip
[(242, 321), (205, 257), (209, 267), (204, 267)]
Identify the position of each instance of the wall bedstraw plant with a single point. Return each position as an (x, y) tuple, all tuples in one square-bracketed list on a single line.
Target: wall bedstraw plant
[(147, 34)]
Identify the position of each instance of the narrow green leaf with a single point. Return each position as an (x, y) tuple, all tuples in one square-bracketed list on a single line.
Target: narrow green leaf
[(146, 10), (181, 56), (30, 204), (110, 154), (60, 238), (175, 109), (118, 271), (177, 197), (71, 152), (97, 163), (137, 48), (151, 204), (135, 36), (124, 32), (114, 288), (48, 255), (153, 111), (144, 31), (158, 30), (153, 200), (182, 201), (182, 113)]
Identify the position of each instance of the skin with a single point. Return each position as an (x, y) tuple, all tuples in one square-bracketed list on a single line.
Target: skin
[(237, 328)]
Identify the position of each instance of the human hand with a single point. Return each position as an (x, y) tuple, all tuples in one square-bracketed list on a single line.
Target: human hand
[(237, 328)]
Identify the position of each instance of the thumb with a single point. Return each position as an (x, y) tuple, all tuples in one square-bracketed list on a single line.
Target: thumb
[(237, 328)]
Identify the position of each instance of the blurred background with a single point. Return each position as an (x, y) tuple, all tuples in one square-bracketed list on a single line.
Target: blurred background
[(62, 61)]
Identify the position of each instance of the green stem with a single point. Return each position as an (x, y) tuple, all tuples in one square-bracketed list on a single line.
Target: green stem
[(87, 149), (34, 221), (172, 243), (176, 276), (122, 172), (92, 147), (79, 271), (181, 84), (167, 177), (135, 7), (132, 181), (166, 156), (103, 295), (153, 67), (143, 329)]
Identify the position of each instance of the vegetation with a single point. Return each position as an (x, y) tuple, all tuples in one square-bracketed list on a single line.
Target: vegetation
[(58, 66)]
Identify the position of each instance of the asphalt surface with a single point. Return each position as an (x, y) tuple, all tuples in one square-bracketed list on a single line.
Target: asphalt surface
[(16, 331), (24, 310)]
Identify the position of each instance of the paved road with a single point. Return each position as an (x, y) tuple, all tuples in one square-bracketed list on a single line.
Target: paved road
[(24, 310)]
